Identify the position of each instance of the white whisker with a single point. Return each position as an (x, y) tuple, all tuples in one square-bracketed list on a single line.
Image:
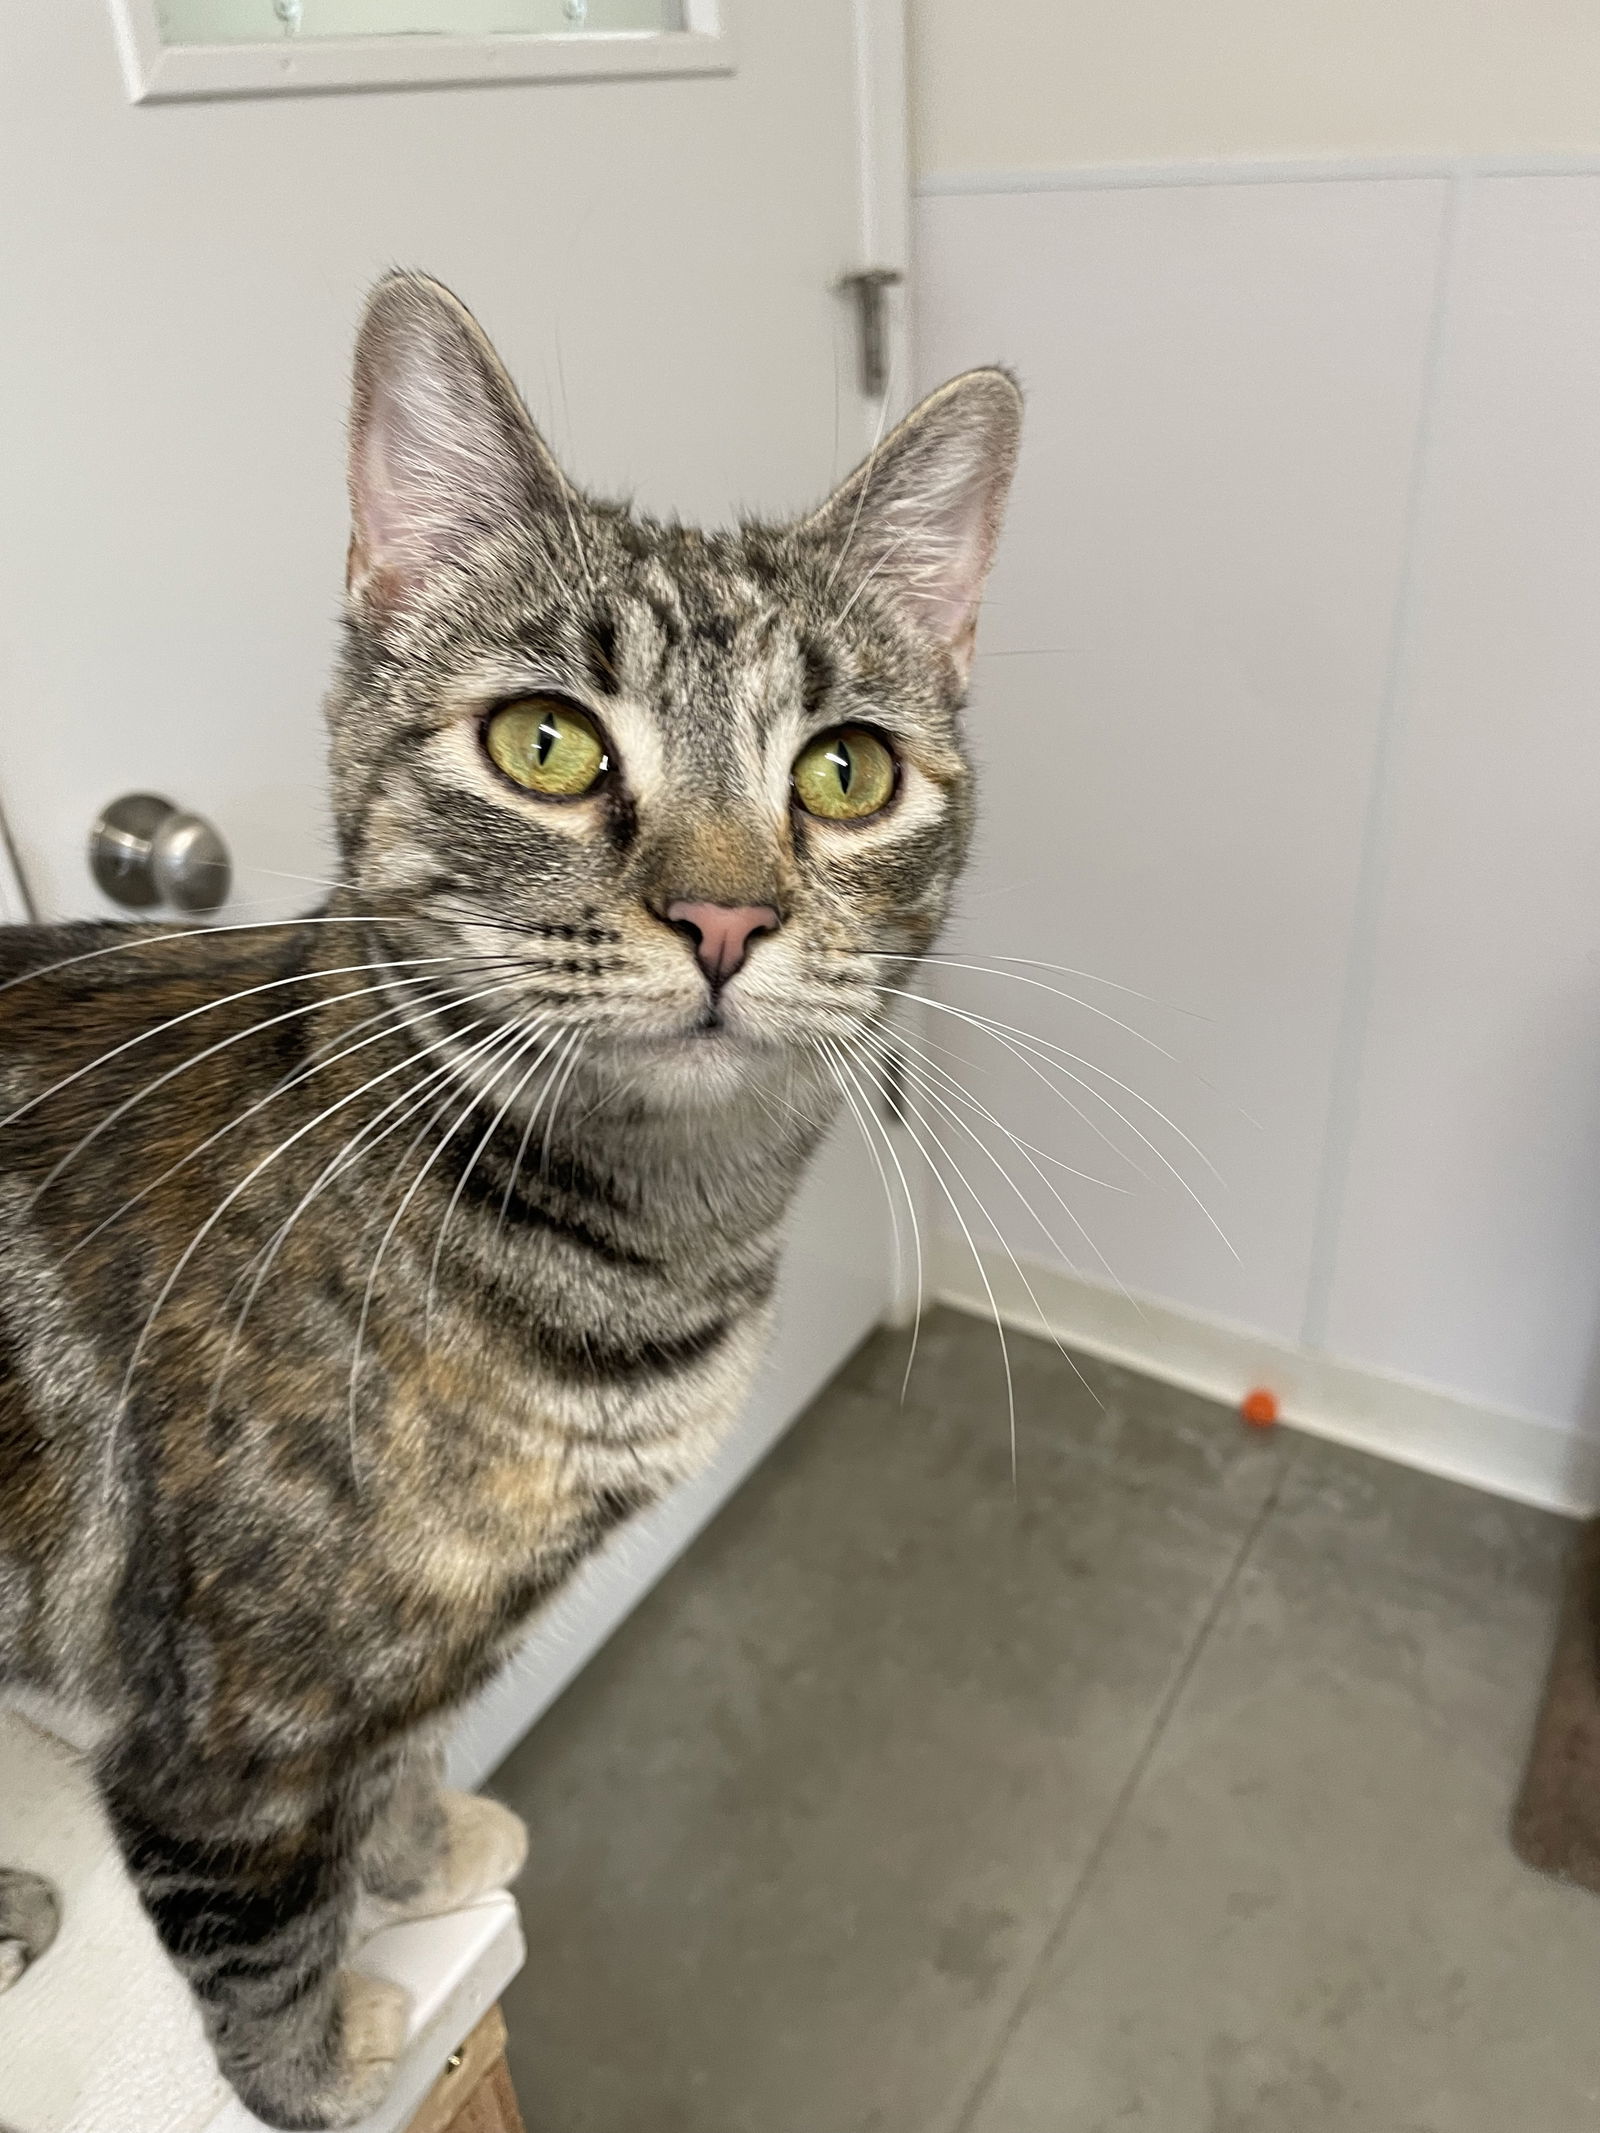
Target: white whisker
[(192, 933), (1060, 1096), (310, 1007), (527, 1134), (563, 1076), (1020, 1041), (933, 1134), (392, 1019), (1028, 1152), (489, 1133), (992, 1023), (1066, 970), (383, 1245), (862, 1118), (861, 494), (359, 1144), (156, 1029), (216, 1216), (977, 1260), (946, 962), (914, 1048)]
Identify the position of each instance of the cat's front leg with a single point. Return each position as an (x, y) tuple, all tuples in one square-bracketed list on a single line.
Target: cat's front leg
[(250, 1875), (432, 1850)]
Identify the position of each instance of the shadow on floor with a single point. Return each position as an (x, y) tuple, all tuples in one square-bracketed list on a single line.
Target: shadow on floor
[(1166, 1790)]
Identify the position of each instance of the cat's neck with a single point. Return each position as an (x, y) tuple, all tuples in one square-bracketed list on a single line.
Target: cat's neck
[(696, 1138)]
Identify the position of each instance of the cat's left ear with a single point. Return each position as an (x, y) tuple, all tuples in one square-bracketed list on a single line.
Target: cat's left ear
[(442, 450), (922, 515)]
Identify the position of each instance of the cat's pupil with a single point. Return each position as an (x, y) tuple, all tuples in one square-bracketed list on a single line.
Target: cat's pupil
[(549, 734), (839, 757)]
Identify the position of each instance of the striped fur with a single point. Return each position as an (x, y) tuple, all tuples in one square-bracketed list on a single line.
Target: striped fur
[(358, 1275)]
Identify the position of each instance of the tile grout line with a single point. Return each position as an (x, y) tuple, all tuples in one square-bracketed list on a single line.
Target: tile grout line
[(1126, 1795)]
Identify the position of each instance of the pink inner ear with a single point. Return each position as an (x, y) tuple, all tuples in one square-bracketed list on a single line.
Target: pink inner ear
[(425, 459), (432, 456), (936, 553), (946, 566), (924, 511), (378, 545)]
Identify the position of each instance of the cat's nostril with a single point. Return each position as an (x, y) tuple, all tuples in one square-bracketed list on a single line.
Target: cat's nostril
[(721, 933)]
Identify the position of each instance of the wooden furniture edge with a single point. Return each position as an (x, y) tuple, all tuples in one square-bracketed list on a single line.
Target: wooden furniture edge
[(474, 2093)]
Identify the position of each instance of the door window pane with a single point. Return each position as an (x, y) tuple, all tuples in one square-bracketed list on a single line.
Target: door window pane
[(264, 21)]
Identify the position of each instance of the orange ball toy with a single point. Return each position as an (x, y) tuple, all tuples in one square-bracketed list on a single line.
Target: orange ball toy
[(1260, 1407)]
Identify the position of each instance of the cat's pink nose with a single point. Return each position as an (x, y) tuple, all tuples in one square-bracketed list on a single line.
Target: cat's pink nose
[(722, 933)]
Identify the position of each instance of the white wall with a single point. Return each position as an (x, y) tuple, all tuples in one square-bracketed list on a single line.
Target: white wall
[(1289, 707), (1047, 84)]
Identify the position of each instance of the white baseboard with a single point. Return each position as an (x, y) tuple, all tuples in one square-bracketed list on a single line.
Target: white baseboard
[(1419, 1425)]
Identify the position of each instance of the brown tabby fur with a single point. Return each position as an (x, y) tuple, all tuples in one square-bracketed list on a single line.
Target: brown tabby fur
[(357, 1275)]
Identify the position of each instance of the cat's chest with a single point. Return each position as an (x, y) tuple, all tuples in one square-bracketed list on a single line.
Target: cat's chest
[(494, 1483)]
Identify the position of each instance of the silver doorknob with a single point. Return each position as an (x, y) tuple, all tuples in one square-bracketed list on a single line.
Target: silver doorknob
[(145, 851)]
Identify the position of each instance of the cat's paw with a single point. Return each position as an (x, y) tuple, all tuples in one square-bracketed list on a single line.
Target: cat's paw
[(352, 2075), (372, 2024), (485, 1846), (30, 1917), (482, 1846)]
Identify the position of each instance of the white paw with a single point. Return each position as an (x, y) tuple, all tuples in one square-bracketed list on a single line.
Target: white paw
[(485, 1847), (482, 1847), (335, 2079), (373, 2017), (375, 2013)]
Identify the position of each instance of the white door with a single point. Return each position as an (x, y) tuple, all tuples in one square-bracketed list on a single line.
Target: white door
[(657, 260)]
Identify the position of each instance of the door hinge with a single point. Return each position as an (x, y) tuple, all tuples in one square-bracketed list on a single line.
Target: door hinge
[(869, 287)]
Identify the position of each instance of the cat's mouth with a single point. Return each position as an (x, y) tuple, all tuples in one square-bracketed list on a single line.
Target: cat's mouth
[(709, 1028), (708, 1033)]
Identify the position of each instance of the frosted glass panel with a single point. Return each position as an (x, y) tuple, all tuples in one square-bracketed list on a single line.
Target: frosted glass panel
[(264, 21)]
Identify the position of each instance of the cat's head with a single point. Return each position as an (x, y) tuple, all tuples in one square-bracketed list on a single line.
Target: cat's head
[(701, 789)]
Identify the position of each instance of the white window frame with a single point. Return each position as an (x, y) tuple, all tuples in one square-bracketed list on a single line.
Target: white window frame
[(161, 73)]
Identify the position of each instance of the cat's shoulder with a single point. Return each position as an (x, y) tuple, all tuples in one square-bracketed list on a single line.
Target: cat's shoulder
[(110, 955), (94, 978), (36, 951)]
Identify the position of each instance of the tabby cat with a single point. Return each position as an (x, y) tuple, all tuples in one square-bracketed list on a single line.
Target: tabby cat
[(359, 1274)]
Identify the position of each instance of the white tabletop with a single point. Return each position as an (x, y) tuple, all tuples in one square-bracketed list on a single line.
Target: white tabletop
[(101, 2035)]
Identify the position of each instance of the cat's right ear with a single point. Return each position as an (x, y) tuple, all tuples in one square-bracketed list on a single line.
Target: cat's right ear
[(441, 448)]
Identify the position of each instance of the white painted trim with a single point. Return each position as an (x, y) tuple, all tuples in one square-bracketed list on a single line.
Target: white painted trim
[(1510, 1454), (883, 155), (159, 73), (1238, 170)]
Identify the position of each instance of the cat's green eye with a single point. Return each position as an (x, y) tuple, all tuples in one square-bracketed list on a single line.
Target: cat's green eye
[(547, 746), (844, 775)]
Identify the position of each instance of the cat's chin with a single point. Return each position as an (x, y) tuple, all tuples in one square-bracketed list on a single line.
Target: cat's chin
[(702, 1067)]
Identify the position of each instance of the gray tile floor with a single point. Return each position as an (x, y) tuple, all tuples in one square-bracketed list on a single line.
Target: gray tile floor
[(1165, 1792)]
